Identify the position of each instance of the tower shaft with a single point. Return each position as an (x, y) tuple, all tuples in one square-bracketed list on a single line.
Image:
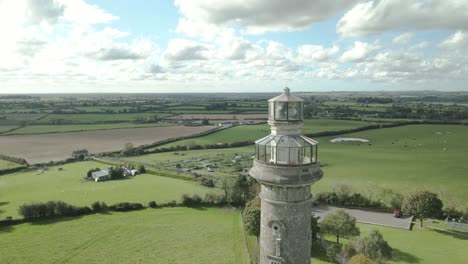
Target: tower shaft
[(285, 224)]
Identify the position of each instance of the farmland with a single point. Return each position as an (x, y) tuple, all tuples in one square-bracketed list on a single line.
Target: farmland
[(403, 158), (254, 132), (97, 118), (58, 146), (44, 129), (68, 185), (171, 235)]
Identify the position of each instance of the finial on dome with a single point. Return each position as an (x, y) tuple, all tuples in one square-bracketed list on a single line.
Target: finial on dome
[(286, 90)]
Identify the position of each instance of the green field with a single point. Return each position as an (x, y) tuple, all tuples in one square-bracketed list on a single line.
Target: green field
[(170, 235), (96, 118), (422, 245), (404, 158), (254, 132), (6, 128), (5, 165), (39, 129), (68, 186)]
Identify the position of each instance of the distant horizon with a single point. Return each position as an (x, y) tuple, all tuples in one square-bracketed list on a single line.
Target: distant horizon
[(250, 92)]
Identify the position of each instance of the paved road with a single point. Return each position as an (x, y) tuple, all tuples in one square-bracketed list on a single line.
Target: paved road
[(367, 217)]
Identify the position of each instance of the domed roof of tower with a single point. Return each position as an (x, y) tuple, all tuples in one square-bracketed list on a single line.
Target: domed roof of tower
[(286, 96)]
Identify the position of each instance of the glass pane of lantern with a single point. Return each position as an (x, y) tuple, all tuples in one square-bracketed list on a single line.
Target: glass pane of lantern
[(282, 156), (281, 109), (294, 156), (307, 155), (294, 111), (271, 110)]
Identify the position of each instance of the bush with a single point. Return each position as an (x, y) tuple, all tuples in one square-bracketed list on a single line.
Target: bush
[(215, 199), (142, 169), (51, 208), (206, 182), (152, 204), (99, 207), (191, 201), (125, 206)]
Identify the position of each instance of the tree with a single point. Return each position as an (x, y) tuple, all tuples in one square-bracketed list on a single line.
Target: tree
[(251, 219), (422, 204), (332, 250), (374, 247), (339, 224), (361, 259)]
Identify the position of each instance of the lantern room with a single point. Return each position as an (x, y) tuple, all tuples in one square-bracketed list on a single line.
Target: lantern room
[(286, 150), (285, 107)]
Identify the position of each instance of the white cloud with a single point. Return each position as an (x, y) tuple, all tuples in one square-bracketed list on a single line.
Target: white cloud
[(186, 50), (456, 40), (403, 38), (78, 11), (316, 52), (360, 51), (377, 16), (260, 16)]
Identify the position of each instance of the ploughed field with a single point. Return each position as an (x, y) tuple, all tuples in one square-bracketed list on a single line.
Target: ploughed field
[(58, 146), (169, 235), (68, 185)]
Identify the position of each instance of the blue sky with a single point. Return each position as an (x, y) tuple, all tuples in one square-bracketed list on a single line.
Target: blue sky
[(232, 46)]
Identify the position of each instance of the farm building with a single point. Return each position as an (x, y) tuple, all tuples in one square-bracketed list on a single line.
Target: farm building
[(101, 175)]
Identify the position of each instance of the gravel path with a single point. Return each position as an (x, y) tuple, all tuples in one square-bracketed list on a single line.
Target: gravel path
[(367, 217)]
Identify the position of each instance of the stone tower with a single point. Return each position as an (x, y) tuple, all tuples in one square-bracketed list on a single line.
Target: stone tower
[(285, 165)]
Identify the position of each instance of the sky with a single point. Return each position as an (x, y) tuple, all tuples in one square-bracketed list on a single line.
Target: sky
[(161, 46)]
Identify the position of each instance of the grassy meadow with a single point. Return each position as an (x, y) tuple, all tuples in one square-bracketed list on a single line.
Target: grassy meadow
[(403, 158), (6, 128), (68, 186), (5, 165), (42, 129), (169, 235)]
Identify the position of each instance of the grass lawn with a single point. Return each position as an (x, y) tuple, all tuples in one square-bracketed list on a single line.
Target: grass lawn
[(68, 186), (418, 245), (40, 129), (170, 235), (254, 132), (422, 245), (4, 165), (404, 158)]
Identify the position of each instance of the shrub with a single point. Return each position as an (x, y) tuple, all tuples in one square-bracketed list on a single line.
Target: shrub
[(191, 201), (142, 169), (125, 206), (99, 207), (152, 204), (206, 182)]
